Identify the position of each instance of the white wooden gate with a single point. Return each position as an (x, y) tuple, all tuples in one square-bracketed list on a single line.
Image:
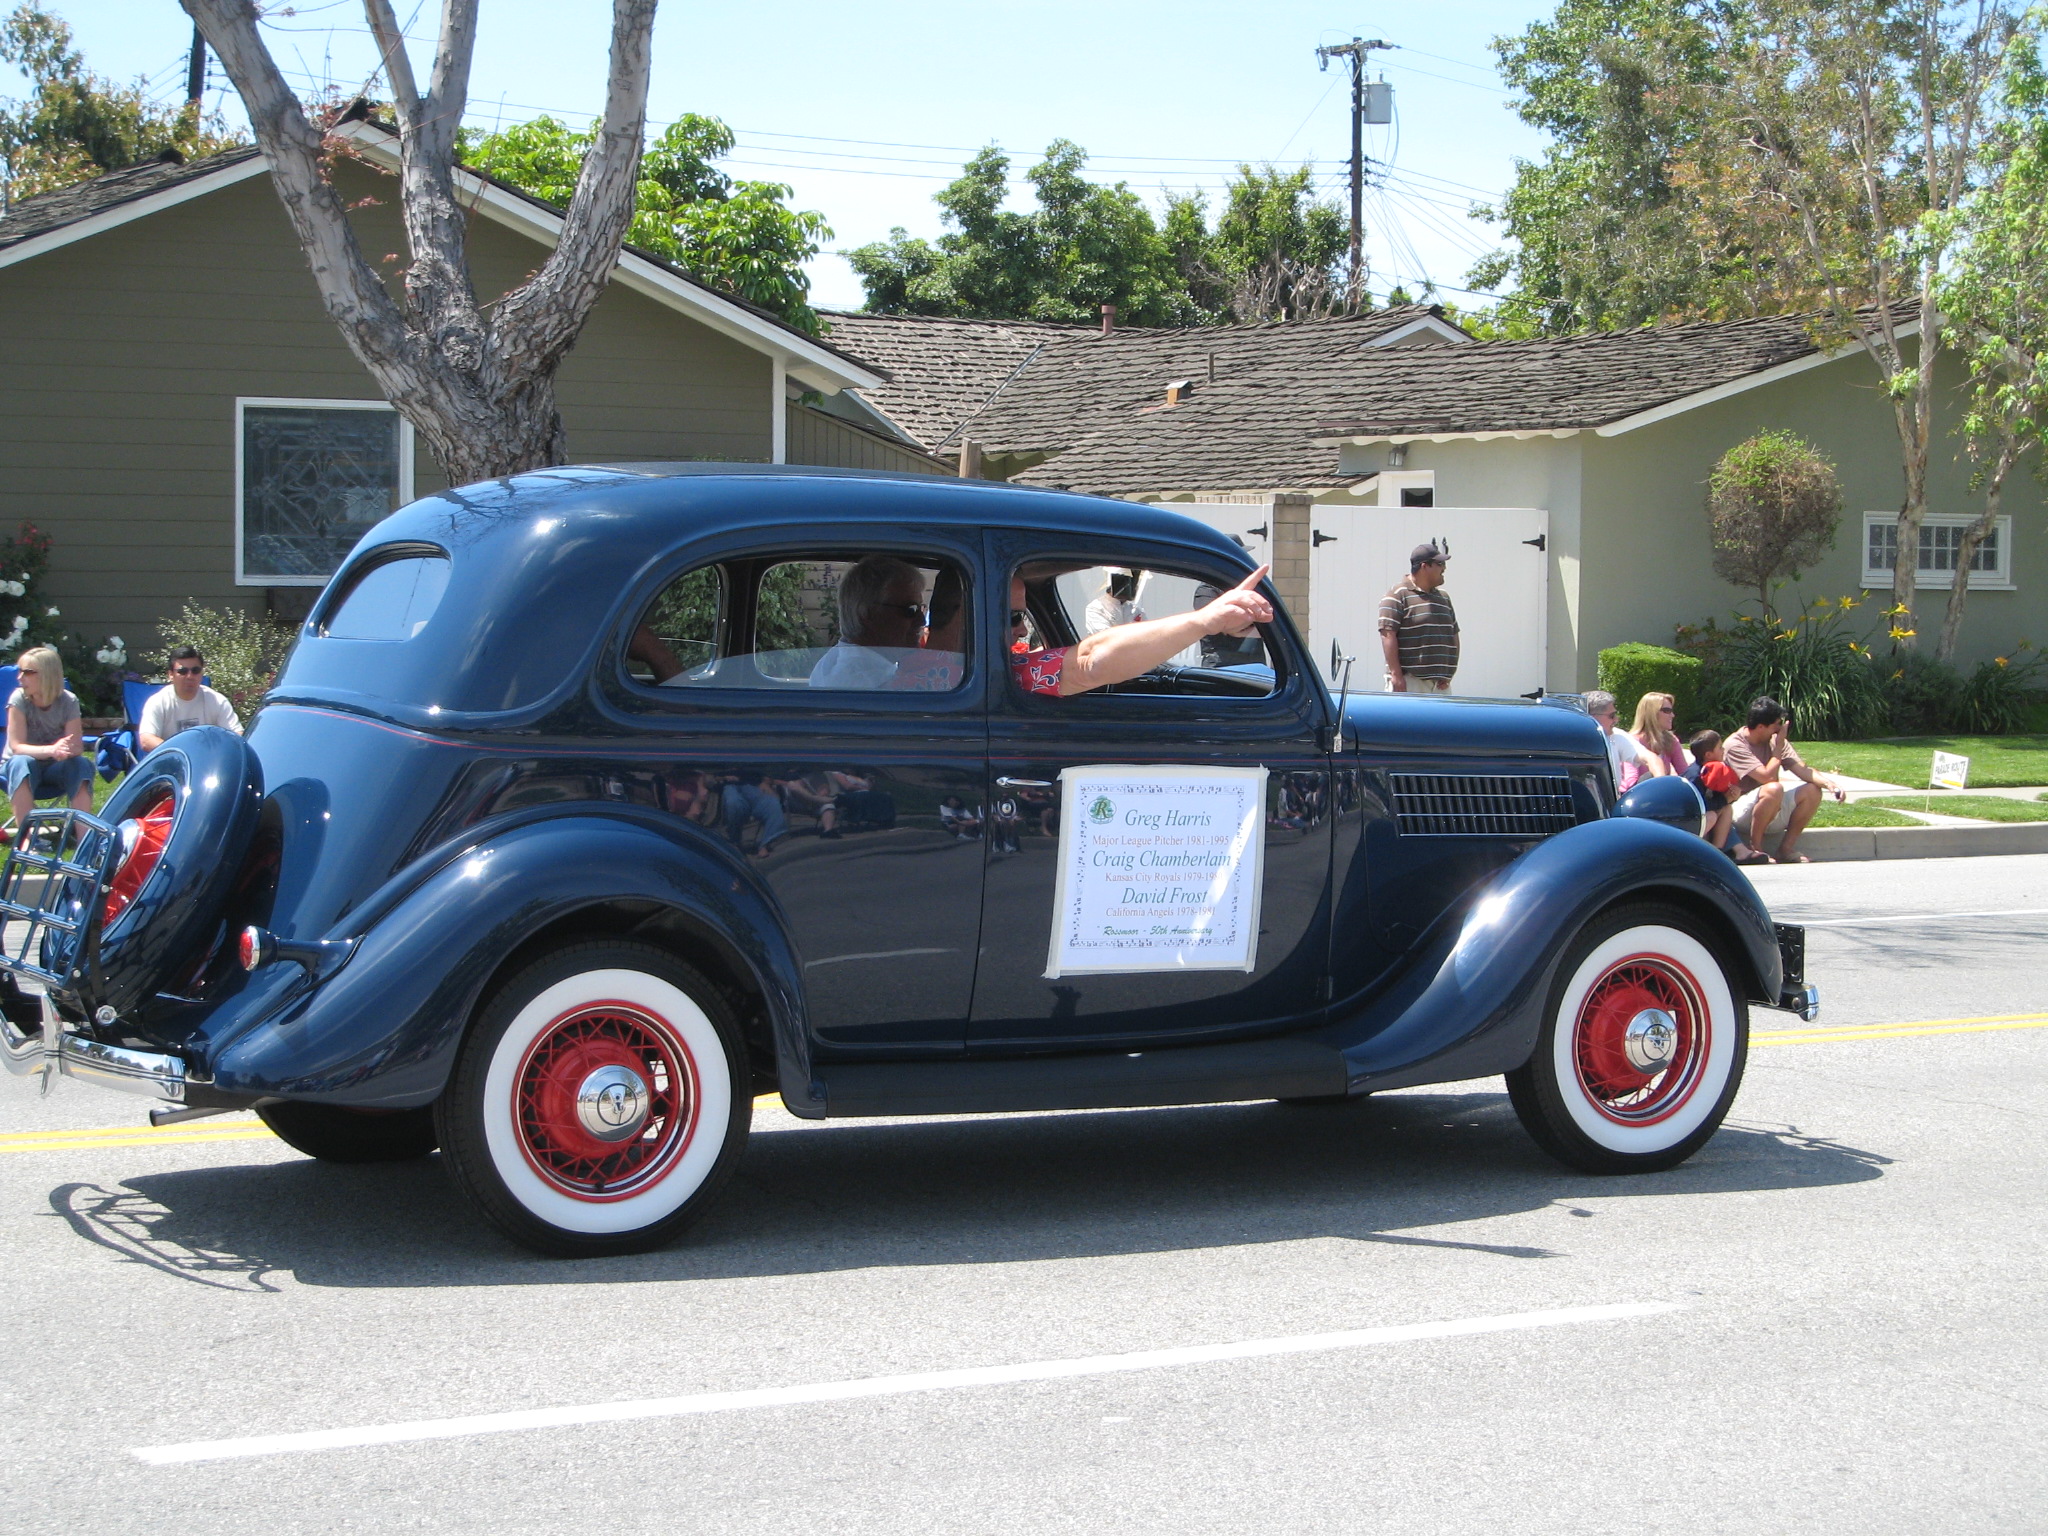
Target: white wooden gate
[(1498, 579)]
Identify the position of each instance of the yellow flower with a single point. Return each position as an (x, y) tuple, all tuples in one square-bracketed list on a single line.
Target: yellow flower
[(1788, 634), (1848, 603), (2003, 660), (1903, 634), (1895, 610), (1824, 602)]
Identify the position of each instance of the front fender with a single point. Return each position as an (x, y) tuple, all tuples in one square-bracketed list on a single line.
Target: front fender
[(1472, 1003), (382, 1030)]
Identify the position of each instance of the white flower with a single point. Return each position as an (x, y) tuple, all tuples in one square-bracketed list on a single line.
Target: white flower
[(116, 643), (52, 613), (13, 588)]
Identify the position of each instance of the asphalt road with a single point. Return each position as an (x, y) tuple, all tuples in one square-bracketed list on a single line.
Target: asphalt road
[(1848, 1281)]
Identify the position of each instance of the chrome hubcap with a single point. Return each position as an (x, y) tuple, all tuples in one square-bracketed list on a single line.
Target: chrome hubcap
[(612, 1103), (1651, 1040)]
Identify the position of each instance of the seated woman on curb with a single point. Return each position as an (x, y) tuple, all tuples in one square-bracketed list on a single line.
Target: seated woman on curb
[(1130, 650), (45, 738)]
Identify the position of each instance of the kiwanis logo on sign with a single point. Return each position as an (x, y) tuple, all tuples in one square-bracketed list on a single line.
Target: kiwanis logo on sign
[(1102, 809)]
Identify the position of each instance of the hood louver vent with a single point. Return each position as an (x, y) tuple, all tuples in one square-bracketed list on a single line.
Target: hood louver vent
[(1482, 805)]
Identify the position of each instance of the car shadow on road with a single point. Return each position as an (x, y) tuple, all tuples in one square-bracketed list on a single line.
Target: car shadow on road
[(1408, 1170)]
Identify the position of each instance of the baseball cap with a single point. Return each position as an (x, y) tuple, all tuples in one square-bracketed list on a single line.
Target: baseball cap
[(1718, 777), (1424, 553)]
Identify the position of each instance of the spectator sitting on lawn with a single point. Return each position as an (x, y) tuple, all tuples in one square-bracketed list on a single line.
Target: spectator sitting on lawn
[(1656, 714), (1713, 778), (1625, 755), (1763, 759), (185, 703), (45, 738)]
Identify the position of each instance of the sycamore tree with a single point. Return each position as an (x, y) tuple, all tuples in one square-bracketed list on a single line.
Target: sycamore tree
[(1600, 233), (1993, 295), (73, 124), (475, 378), (1818, 180), (740, 236)]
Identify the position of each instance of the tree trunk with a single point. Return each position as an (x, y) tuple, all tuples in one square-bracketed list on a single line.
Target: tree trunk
[(1973, 540), (477, 382)]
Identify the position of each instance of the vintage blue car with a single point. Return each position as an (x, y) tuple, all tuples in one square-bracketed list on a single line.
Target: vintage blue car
[(595, 801)]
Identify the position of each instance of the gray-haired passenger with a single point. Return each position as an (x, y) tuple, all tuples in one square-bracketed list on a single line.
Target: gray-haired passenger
[(881, 616)]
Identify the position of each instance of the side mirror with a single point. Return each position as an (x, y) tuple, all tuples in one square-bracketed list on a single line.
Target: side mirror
[(1337, 659)]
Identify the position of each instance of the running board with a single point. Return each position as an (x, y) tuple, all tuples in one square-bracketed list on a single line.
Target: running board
[(1288, 1068)]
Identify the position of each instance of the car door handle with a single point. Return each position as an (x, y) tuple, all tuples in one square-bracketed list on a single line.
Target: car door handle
[(1007, 783)]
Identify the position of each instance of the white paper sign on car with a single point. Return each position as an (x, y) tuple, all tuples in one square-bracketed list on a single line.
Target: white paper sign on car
[(1160, 869), (1951, 771)]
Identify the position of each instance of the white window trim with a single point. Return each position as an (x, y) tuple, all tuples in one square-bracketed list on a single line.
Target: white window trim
[(279, 402), (1998, 579)]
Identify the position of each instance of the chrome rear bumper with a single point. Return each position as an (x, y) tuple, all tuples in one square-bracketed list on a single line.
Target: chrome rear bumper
[(54, 1051)]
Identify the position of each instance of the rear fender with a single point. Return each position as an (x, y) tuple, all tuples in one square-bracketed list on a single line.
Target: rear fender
[(1472, 1002), (383, 1029)]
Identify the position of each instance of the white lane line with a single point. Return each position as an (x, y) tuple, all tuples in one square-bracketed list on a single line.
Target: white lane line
[(873, 1386), (1922, 917)]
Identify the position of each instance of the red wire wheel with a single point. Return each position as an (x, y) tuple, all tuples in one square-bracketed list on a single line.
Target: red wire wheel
[(1640, 1038), (141, 848), (605, 1101)]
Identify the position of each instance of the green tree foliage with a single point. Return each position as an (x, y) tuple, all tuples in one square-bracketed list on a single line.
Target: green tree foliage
[(741, 236), (1273, 254), (1993, 296), (1600, 232), (1083, 246), (74, 125), (1277, 252), (1773, 505)]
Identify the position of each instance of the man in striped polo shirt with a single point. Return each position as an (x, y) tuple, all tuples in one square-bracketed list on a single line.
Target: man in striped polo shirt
[(1419, 627)]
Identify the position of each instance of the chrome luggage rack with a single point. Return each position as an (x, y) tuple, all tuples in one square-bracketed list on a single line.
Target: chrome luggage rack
[(62, 920)]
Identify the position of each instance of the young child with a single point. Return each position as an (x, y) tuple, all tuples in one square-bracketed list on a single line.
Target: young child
[(1714, 780)]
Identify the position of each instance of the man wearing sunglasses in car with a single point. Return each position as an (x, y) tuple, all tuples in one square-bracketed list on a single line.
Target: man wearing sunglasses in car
[(186, 703)]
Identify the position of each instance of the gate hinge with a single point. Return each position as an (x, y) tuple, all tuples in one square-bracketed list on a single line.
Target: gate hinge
[(1540, 543)]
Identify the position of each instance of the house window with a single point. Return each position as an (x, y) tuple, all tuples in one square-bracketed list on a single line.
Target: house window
[(1941, 542), (312, 477)]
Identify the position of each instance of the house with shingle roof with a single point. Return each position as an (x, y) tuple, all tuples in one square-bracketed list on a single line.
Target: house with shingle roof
[(1355, 431)]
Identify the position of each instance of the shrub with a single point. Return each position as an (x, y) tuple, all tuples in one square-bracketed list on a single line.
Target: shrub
[(1632, 670), (1999, 697), (1772, 507), (1921, 695), (1828, 681), (243, 654)]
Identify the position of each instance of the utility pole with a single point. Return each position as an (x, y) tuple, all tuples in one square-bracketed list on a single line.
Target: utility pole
[(195, 71), (1355, 51)]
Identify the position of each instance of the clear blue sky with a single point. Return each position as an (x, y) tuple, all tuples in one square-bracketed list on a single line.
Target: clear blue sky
[(867, 109)]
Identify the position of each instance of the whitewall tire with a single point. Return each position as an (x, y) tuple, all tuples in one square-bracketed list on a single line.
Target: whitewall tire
[(1642, 1048), (599, 1101)]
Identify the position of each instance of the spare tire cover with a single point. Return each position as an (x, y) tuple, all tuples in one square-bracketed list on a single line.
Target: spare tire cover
[(217, 790)]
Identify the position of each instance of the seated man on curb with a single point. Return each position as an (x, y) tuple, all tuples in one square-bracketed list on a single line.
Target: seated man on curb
[(1624, 752), (186, 703), (1761, 757)]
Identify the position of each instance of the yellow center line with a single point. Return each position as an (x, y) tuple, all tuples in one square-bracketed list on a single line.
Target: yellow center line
[(1894, 1031), (170, 1135)]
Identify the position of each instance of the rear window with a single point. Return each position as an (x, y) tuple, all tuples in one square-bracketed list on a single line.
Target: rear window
[(391, 601)]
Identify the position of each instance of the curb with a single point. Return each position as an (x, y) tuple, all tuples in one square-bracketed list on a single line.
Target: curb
[(1828, 845)]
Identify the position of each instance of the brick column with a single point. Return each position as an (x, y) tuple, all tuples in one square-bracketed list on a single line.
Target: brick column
[(1290, 548)]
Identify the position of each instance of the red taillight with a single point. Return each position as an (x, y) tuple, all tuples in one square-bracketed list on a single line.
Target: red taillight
[(142, 846), (249, 948)]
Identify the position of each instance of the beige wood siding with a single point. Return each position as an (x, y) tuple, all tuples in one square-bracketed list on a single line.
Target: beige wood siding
[(122, 355), (816, 438)]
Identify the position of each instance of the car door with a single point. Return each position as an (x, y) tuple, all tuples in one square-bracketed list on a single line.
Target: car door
[(851, 803), (1208, 718)]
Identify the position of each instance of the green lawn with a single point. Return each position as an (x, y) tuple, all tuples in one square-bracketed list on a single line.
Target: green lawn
[(1859, 813), (1996, 762), (1982, 807)]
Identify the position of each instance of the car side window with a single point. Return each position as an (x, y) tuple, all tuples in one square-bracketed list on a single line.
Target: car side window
[(1084, 600), (839, 621)]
